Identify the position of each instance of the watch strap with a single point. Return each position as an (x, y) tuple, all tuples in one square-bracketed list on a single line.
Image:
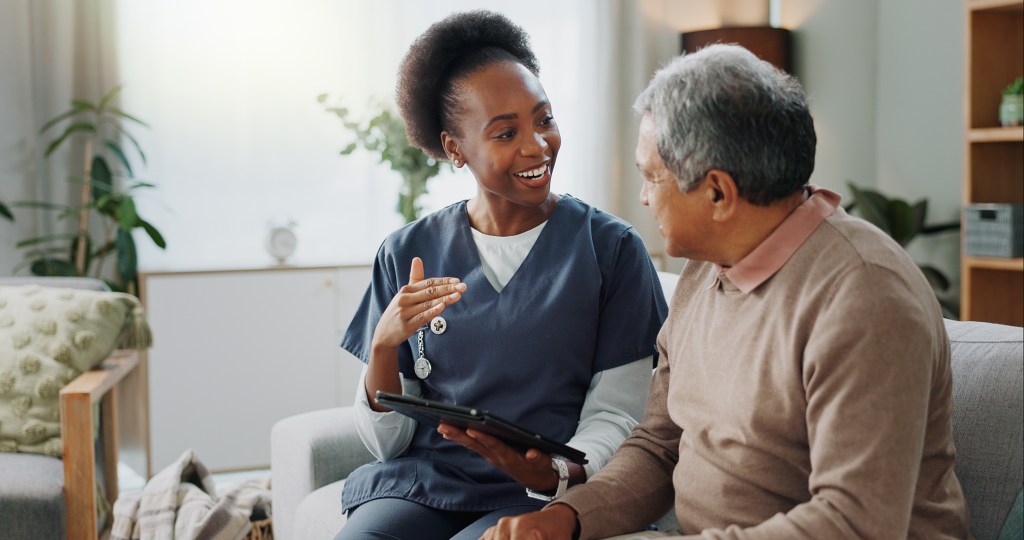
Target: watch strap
[(561, 468)]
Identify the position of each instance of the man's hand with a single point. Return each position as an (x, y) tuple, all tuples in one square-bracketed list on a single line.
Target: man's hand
[(532, 469), (556, 522)]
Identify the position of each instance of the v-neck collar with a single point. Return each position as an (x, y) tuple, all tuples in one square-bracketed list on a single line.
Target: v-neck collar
[(464, 230)]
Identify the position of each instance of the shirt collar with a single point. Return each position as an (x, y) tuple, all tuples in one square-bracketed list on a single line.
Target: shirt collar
[(771, 254)]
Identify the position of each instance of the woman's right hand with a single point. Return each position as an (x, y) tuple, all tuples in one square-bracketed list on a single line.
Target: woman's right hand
[(415, 305)]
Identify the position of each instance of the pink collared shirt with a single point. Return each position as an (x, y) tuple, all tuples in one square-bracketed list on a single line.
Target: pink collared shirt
[(768, 257)]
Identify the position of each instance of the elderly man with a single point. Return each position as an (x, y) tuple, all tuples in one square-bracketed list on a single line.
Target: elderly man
[(803, 389)]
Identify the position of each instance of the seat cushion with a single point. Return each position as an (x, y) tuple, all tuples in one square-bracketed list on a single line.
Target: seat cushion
[(31, 496), (319, 514), (988, 419)]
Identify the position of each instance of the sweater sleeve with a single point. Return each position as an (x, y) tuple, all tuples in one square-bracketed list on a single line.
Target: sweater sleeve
[(635, 488)]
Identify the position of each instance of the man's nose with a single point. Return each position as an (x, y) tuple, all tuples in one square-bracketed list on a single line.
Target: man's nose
[(643, 193)]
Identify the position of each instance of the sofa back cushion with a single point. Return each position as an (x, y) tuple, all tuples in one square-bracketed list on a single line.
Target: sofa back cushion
[(988, 419)]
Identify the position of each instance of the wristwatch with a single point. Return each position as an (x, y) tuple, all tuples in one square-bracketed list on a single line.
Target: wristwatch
[(559, 466)]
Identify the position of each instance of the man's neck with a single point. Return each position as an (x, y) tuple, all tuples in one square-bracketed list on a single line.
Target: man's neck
[(754, 224)]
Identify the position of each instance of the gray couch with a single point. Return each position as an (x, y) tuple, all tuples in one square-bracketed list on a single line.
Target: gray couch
[(312, 453)]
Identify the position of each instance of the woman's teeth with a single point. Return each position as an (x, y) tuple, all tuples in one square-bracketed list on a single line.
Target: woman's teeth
[(535, 173)]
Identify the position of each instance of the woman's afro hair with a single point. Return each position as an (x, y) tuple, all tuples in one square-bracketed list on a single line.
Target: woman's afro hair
[(450, 49)]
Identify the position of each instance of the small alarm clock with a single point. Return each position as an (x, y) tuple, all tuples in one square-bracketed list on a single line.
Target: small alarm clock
[(281, 242)]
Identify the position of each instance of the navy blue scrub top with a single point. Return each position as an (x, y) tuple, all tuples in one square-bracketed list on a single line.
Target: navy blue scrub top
[(586, 299)]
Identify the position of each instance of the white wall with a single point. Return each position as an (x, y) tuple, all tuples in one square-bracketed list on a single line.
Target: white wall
[(919, 116)]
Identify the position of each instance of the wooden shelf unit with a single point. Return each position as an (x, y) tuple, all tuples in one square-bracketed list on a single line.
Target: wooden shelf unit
[(992, 288)]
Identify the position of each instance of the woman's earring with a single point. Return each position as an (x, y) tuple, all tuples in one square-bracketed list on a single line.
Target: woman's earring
[(456, 162)]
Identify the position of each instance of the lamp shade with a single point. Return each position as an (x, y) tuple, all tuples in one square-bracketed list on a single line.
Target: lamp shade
[(773, 45)]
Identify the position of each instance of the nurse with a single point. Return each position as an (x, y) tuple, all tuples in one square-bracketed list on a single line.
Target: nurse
[(533, 305)]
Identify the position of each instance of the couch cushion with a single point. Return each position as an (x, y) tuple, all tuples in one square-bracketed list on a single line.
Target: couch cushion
[(48, 336), (988, 419), (31, 497), (319, 515)]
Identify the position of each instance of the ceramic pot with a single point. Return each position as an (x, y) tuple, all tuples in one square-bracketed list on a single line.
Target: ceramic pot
[(1011, 110)]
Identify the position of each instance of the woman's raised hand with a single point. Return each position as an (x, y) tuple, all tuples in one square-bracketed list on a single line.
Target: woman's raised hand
[(415, 305)]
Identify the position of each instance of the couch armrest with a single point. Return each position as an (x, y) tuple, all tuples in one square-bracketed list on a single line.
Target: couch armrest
[(77, 421), (309, 451)]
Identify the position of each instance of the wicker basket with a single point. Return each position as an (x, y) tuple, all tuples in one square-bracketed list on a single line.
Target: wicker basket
[(261, 530)]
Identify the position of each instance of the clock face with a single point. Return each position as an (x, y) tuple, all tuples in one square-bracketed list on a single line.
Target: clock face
[(281, 243)]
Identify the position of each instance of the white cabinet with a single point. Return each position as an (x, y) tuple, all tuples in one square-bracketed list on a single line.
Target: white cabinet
[(236, 351)]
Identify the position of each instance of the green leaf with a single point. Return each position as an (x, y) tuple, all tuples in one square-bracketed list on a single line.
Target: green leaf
[(140, 185), (940, 227), (6, 212), (127, 216), (134, 141), (66, 114), (82, 105), (872, 206), (102, 179), (43, 239), (51, 266), (85, 127), (154, 234), (901, 221), (935, 277), (127, 116), (39, 205), (349, 149), (321, 98), (109, 97), (116, 150), (127, 257)]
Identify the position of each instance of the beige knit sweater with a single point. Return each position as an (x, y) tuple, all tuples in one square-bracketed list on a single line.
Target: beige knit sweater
[(815, 406)]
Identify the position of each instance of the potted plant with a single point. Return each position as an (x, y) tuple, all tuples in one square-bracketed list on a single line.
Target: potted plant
[(106, 187), (1011, 109), (384, 134), (903, 222)]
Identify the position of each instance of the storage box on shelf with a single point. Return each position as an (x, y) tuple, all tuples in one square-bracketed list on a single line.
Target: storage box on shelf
[(992, 287)]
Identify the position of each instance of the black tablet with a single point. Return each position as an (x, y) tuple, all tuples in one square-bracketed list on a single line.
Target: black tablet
[(434, 412)]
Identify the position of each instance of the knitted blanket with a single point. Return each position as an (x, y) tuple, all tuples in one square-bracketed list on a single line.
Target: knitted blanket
[(181, 502)]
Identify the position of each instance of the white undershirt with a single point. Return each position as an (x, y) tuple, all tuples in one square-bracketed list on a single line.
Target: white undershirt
[(614, 403)]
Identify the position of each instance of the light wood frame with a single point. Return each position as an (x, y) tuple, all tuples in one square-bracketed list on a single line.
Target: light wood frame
[(99, 385)]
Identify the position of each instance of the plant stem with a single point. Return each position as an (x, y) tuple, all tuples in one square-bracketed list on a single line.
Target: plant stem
[(83, 214)]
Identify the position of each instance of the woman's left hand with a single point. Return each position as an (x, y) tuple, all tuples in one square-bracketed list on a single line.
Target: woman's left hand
[(531, 469)]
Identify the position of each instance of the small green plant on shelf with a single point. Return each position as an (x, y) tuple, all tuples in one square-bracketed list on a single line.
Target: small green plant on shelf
[(903, 222), (384, 134), (1011, 108), (106, 188)]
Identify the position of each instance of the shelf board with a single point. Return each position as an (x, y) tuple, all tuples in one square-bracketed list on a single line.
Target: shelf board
[(994, 263), (995, 5), (996, 134)]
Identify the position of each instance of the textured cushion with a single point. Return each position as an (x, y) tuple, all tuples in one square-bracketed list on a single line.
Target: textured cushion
[(31, 497), (48, 336), (319, 514), (988, 419)]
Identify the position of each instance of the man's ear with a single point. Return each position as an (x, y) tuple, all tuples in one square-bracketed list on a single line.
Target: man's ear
[(722, 193), (451, 147)]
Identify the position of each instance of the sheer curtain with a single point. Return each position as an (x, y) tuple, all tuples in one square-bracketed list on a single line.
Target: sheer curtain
[(238, 141), (52, 51)]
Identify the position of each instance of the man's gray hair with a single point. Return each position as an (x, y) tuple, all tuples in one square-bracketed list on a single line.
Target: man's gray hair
[(723, 108)]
